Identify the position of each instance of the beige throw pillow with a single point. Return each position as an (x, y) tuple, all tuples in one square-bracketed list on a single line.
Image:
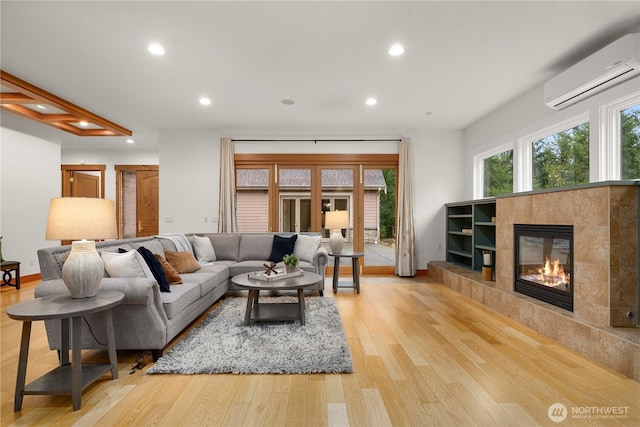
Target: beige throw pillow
[(172, 275), (183, 262)]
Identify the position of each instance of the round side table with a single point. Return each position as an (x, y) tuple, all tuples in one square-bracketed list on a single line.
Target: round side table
[(68, 378), (355, 267)]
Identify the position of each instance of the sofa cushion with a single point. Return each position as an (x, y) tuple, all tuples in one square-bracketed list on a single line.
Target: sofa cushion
[(226, 246), (153, 245), (207, 281), (179, 298), (183, 262), (124, 264), (156, 268), (282, 246), (221, 268), (306, 246), (172, 275), (255, 246), (203, 248)]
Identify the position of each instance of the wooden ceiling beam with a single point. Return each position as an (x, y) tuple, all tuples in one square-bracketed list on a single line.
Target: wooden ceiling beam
[(16, 98), (34, 93)]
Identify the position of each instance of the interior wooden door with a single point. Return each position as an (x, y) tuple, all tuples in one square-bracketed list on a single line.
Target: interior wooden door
[(85, 185), (147, 185)]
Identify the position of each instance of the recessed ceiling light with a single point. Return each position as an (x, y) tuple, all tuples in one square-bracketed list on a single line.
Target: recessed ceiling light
[(371, 101), (428, 113), (42, 107), (205, 101), (130, 141), (156, 49), (396, 50), (288, 101), (84, 124)]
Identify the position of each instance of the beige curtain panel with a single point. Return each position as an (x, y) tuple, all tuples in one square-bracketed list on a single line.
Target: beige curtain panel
[(227, 211), (406, 242)]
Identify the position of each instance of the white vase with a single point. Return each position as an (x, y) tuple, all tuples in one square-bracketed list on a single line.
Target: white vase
[(83, 270)]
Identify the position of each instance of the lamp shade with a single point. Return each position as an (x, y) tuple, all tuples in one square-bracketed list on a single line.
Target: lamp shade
[(75, 218), (335, 220)]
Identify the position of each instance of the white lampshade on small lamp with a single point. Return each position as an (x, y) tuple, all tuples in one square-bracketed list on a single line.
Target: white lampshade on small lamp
[(81, 218), (336, 221)]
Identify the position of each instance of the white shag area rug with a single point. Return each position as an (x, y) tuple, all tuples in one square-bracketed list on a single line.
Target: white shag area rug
[(222, 344)]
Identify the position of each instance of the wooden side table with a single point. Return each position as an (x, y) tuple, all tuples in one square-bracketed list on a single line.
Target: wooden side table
[(356, 270), (7, 268), (68, 378)]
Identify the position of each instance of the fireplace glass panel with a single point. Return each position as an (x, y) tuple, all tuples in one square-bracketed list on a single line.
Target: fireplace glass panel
[(543, 263)]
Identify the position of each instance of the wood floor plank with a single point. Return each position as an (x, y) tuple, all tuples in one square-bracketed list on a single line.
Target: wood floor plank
[(422, 355)]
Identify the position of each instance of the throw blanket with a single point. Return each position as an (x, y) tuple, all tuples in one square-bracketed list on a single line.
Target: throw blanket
[(178, 239)]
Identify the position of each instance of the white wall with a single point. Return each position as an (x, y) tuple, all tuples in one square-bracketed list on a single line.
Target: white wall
[(29, 179), (189, 176)]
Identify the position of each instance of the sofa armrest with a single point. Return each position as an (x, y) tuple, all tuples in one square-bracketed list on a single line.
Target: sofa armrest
[(137, 291), (321, 259)]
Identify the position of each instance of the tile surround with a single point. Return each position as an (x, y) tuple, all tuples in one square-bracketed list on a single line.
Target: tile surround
[(605, 222)]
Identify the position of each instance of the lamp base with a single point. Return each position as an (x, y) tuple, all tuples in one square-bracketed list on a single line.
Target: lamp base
[(336, 242), (83, 270)]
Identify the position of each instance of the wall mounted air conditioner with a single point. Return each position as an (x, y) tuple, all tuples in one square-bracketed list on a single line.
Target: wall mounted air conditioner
[(609, 66)]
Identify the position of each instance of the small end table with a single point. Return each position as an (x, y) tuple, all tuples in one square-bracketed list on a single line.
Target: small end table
[(68, 378), (356, 270), (7, 268)]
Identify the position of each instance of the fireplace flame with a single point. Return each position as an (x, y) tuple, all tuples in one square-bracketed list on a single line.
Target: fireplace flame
[(553, 276)]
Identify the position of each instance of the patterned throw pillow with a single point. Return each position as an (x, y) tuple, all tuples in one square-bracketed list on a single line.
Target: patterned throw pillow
[(183, 262), (172, 275)]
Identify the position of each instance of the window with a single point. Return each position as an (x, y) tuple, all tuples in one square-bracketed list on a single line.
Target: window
[(630, 142), (561, 159), (498, 174)]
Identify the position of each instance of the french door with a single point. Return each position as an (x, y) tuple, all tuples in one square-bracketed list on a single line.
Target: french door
[(292, 193), (295, 214)]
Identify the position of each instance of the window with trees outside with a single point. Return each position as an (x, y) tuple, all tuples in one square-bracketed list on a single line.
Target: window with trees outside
[(561, 159), (498, 174), (630, 142)]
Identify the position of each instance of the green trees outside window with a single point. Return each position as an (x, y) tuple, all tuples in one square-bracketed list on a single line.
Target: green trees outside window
[(562, 159), (630, 142), (498, 174)]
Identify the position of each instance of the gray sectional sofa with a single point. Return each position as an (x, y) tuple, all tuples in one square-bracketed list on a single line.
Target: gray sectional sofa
[(148, 319)]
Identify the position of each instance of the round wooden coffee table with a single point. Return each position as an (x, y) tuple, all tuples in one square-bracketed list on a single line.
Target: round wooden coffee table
[(275, 312)]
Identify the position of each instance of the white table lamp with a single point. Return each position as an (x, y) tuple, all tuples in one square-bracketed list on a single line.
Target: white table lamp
[(336, 221), (81, 218)]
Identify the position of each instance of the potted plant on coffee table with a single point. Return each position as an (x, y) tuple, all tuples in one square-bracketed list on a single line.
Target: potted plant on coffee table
[(291, 262)]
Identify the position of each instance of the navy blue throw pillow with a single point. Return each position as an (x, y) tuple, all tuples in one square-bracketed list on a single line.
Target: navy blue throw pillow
[(282, 246), (156, 268)]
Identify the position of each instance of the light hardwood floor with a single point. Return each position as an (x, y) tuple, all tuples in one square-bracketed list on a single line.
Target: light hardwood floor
[(422, 354)]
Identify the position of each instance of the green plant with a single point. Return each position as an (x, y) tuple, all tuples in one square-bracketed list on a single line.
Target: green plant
[(291, 260)]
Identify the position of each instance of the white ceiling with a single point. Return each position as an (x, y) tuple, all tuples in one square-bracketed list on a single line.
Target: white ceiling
[(462, 60)]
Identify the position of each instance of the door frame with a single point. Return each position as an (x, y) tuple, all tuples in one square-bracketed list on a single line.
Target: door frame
[(120, 169), (68, 171)]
